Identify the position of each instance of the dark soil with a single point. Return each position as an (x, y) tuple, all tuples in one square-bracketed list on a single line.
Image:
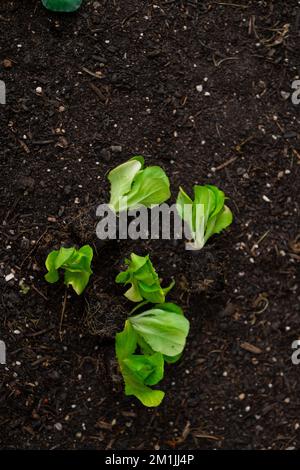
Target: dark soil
[(235, 386)]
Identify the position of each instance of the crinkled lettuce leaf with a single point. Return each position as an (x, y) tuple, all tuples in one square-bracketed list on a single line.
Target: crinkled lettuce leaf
[(205, 216), (145, 283), (133, 186)]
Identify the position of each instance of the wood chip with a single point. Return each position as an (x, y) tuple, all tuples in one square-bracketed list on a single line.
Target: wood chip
[(251, 348)]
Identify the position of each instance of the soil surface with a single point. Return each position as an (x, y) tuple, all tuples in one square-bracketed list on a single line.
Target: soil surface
[(202, 88)]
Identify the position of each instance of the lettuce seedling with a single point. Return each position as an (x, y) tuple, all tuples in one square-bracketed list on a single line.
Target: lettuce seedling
[(205, 215), (63, 6), (133, 186), (75, 263), (160, 335), (145, 283)]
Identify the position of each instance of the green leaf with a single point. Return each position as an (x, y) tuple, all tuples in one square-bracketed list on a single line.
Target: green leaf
[(63, 256), (122, 277), (146, 369), (66, 6), (135, 371), (144, 280), (152, 293), (138, 158), (121, 179), (126, 342), (184, 206), (78, 280), (133, 294), (50, 261), (208, 215), (163, 330), (133, 187), (172, 359), (166, 290), (87, 251), (150, 187), (75, 263), (144, 347), (219, 199), (170, 307), (146, 395), (136, 262), (219, 222), (52, 277)]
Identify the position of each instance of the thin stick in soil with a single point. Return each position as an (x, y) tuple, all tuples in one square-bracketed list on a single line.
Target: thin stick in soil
[(62, 315)]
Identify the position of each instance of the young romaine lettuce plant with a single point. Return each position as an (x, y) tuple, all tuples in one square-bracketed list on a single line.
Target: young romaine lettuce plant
[(205, 216), (145, 283), (160, 335), (133, 186), (64, 6), (75, 263)]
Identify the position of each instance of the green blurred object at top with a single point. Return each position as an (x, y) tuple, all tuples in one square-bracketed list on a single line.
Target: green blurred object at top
[(64, 6)]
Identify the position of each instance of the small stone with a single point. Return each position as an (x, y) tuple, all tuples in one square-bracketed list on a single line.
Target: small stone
[(265, 198), (285, 95), (58, 426), (39, 90), (116, 148), (199, 88), (7, 63), (242, 396), (26, 182), (9, 277)]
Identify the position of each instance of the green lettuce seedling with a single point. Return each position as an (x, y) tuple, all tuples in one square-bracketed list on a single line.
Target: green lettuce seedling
[(205, 216), (75, 263), (145, 283), (63, 6), (133, 186), (160, 335)]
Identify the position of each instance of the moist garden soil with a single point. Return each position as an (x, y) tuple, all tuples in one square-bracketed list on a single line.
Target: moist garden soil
[(202, 88)]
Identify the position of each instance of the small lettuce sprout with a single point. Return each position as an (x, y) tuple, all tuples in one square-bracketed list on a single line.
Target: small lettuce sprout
[(205, 216), (145, 283), (63, 6), (160, 335), (75, 263), (133, 186)]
